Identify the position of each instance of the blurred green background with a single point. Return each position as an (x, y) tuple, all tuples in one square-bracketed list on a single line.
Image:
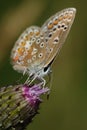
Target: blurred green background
[(66, 108)]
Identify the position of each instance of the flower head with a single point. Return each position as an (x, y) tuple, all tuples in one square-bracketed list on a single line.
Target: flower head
[(18, 105), (32, 94)]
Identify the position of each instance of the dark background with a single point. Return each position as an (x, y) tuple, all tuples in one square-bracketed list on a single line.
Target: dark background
[(66, 108)]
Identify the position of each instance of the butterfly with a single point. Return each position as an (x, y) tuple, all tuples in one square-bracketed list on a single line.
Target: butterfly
[(37, 47)]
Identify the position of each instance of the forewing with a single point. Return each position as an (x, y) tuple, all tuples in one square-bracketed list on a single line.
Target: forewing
[(55, 31)]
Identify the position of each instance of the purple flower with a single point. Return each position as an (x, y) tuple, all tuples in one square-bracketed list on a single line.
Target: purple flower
[(32, 94)]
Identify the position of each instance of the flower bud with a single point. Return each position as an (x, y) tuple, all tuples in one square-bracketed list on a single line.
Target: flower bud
[(18, 105)]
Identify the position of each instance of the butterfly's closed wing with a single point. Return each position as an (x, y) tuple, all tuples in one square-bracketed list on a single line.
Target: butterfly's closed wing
[(55, 30), (37, 47), (29, 50)]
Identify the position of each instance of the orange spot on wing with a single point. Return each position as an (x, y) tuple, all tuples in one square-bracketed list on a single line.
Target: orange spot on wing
[(23, 44), (60, 18), (37, 33), (55, 22), (15, 58), (20, 50), (50, 26), (65, 16), (70, 16), (26, 38), (31, 33)]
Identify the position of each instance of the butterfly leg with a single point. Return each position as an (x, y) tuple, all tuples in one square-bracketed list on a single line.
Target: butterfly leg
[(32, 80), (27, 80), (43, 81)]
